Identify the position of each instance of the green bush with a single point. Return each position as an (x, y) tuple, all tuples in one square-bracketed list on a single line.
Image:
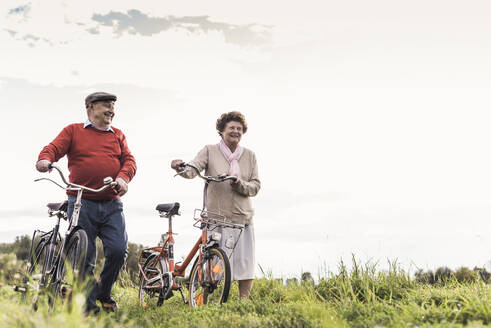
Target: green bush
[(11, 269), (465, 275)]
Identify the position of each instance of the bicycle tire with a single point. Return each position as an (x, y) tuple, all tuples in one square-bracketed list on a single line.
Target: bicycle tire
[(152, 267), (71, 269), (42, 258), (210, 286), (36, 258)]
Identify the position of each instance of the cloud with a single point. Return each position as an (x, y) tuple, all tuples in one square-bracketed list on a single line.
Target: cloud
[(11, 32), (31, 39), (21, 10), (93, 30), (136, 22), (19, 15)]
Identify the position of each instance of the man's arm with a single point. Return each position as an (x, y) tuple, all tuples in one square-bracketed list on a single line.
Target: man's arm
[(55, 150), (128, 167)]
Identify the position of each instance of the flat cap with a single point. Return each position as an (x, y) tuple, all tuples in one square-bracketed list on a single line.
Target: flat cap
[(99, 96)]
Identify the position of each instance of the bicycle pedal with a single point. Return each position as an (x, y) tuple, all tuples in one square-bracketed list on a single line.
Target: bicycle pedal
[(20, 289)]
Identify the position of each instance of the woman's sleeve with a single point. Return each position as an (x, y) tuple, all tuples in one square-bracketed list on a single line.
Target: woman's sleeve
[(200, 161), (249, 188)]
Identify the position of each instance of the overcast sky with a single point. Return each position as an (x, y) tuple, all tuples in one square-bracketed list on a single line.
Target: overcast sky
[(369, 119)]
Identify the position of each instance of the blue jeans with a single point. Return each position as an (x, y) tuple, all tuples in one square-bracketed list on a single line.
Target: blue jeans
[(103, 219)]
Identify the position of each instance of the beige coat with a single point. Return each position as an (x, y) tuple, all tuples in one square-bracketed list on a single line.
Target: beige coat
[(231, 200)]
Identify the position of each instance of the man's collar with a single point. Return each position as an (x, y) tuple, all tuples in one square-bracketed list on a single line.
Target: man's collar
[(89, 123)]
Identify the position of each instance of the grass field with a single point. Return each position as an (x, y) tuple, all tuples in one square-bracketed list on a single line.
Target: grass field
[(361, 297)]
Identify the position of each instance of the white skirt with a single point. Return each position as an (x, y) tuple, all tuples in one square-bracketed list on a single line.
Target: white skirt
[(242, 257)]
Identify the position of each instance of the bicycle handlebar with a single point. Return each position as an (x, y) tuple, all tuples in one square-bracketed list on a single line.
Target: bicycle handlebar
[(108, 182), (220, 178)]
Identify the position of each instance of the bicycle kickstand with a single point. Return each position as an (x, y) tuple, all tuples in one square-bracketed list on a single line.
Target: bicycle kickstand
[(182, 295)]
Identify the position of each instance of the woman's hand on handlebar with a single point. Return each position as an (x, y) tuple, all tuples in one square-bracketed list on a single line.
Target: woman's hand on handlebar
[(180, 166), (177, 164), (43, 165)]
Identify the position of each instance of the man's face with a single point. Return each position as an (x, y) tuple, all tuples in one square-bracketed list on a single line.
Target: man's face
[(101, 112)]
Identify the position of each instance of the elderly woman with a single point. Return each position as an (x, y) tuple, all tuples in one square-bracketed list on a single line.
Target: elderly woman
[(231, 199)]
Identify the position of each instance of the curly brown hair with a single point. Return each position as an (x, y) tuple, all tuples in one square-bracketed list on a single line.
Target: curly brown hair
[(228, 117)]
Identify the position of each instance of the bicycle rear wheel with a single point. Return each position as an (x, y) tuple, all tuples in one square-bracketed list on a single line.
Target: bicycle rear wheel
[(157, 283), (209, 282), (37, 260), (71, 268), (39, 274)]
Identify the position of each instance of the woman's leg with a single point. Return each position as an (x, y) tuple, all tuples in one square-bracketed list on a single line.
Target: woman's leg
[(245, 287)]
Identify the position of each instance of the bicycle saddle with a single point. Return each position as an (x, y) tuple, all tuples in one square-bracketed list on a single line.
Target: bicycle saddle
[(58, 206), (169, 209)]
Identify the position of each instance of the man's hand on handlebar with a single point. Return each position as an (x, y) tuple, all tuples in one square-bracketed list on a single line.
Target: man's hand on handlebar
[(43, 165), (122, 187)]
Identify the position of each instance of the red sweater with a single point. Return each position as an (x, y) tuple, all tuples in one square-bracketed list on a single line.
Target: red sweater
[(92, 156)]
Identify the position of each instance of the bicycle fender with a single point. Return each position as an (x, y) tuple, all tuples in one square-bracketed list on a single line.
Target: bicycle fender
[(211, 244), (76, 228)]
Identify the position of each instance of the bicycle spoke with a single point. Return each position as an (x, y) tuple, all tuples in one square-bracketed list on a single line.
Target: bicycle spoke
[(152, 289), (210, 279), (71, 270)]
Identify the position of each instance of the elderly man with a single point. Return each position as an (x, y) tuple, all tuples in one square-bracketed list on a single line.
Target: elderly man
[(96, 150)]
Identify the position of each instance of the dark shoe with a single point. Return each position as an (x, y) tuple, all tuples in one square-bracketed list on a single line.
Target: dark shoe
[(108, 304), (91, 310)]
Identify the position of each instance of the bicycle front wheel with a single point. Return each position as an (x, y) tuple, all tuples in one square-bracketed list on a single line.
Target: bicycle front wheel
[(209, 282), (71, 269)]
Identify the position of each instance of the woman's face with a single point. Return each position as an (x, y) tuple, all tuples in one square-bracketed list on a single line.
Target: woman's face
[(232, 133)]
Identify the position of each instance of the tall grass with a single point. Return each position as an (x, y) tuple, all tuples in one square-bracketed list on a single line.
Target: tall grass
[(361, 296)]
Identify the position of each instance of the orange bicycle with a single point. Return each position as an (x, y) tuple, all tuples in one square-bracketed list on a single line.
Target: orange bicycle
[(210, 277)]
